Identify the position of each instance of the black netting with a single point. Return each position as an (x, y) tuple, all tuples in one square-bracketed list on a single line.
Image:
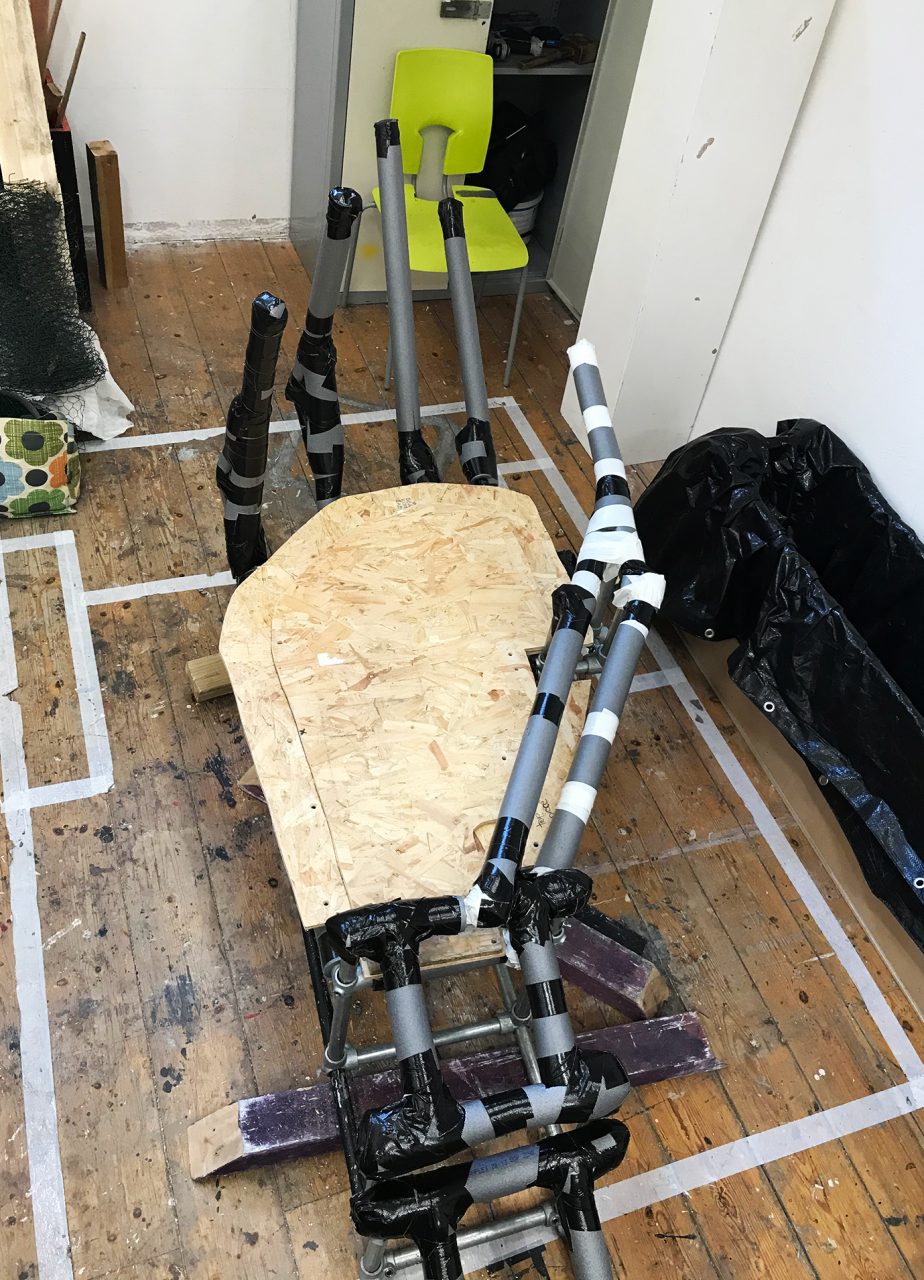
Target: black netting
[(45, 348)]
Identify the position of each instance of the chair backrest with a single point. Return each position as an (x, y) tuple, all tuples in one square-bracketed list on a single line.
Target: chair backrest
[(451, 88)]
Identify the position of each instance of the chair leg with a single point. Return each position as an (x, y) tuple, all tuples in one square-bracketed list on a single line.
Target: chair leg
[(348, 273), (517, 313), (388, 364)]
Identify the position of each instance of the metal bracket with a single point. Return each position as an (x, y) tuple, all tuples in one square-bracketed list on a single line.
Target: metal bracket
[(478, 10)]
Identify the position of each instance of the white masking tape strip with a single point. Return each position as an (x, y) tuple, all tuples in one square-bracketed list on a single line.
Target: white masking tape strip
[(9, 677), (531, 464), (587, 581), (609, 467), (647, 587), (89, 693), (577, 798), (46, 1182), (616, 517), (602, 724), (553, 476), (36, 541), (633, 622), (597, 415), (160, 587), (613, 548), (582, 352), (755, 1150), (153, 438), (52, 793)]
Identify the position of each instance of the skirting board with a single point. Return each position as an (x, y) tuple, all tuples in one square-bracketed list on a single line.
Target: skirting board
[(140, 233), (802, 796)]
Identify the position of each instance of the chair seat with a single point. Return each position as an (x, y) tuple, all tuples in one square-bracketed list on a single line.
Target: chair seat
[(494, 244)]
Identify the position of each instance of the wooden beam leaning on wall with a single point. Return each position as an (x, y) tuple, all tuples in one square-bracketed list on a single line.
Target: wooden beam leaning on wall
[(106, 196), (25, 143)]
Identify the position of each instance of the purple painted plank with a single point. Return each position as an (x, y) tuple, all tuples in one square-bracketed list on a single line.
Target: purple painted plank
[(606, 969), (302, 1122)]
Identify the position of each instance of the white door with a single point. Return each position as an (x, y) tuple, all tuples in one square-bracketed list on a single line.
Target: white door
[(380, 31), (718, 90), (608, 101)]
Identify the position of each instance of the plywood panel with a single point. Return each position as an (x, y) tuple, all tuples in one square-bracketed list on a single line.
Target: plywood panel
[(385, 718)]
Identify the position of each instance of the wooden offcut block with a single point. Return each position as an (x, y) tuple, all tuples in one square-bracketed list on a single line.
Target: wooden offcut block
[(106, 194), (208, 677)]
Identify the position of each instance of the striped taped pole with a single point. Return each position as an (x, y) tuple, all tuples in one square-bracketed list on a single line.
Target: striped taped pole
[(639, 593), (610, 549), (312, 385)]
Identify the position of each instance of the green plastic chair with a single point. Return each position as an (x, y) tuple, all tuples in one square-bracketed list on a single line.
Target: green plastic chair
[(454, 89)]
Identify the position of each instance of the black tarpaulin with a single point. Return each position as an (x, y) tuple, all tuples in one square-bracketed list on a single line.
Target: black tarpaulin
[(786, 545)]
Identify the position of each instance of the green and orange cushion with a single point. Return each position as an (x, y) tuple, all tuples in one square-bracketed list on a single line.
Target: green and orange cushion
[(39, 467)]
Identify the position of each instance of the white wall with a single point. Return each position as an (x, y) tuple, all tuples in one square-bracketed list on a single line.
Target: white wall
[(829, 322), (196, 96)]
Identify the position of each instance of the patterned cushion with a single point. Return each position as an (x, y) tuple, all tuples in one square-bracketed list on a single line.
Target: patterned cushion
[(39, 467)]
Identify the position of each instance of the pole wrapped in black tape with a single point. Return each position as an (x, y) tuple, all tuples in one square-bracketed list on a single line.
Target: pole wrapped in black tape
[(312, 385), (474, 442), (241, 469)]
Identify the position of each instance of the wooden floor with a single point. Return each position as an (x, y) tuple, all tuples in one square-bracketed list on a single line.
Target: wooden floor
[(174, 969)]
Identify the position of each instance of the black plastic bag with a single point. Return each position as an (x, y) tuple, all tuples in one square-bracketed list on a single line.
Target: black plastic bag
[(787, 545), (521, 157)]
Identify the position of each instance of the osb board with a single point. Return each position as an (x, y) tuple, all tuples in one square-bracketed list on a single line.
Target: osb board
[(803, 797), (379, 665)]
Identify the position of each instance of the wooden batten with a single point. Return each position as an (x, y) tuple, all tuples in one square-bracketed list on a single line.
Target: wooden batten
[(302, 1122), (106, 195), (25, 143), (208, 677)]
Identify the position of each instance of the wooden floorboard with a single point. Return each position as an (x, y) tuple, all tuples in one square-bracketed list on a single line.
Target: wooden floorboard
[(175, 972)]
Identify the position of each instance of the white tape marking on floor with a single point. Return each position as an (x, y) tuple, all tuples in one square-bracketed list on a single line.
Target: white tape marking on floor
[(707, 1167), (879, 1009), (555, 478), (160, 587), (36, 541), (49, 1215), (652, 680), (9, 677), (89, 693), (532, 464), (153, 438), (52, 793)]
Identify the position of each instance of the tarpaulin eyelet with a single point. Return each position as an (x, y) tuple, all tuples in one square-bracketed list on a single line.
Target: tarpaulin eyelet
[(709, 632), (822, 781), (769, 707), (919, 882)]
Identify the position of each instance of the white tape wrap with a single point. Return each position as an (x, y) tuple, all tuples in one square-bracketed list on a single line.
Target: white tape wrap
[(617, 517), (647, 587), (577, 798), (582, 352), (609, 467), (597, 415), (615, 547), (602, 724), (588, 582)]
